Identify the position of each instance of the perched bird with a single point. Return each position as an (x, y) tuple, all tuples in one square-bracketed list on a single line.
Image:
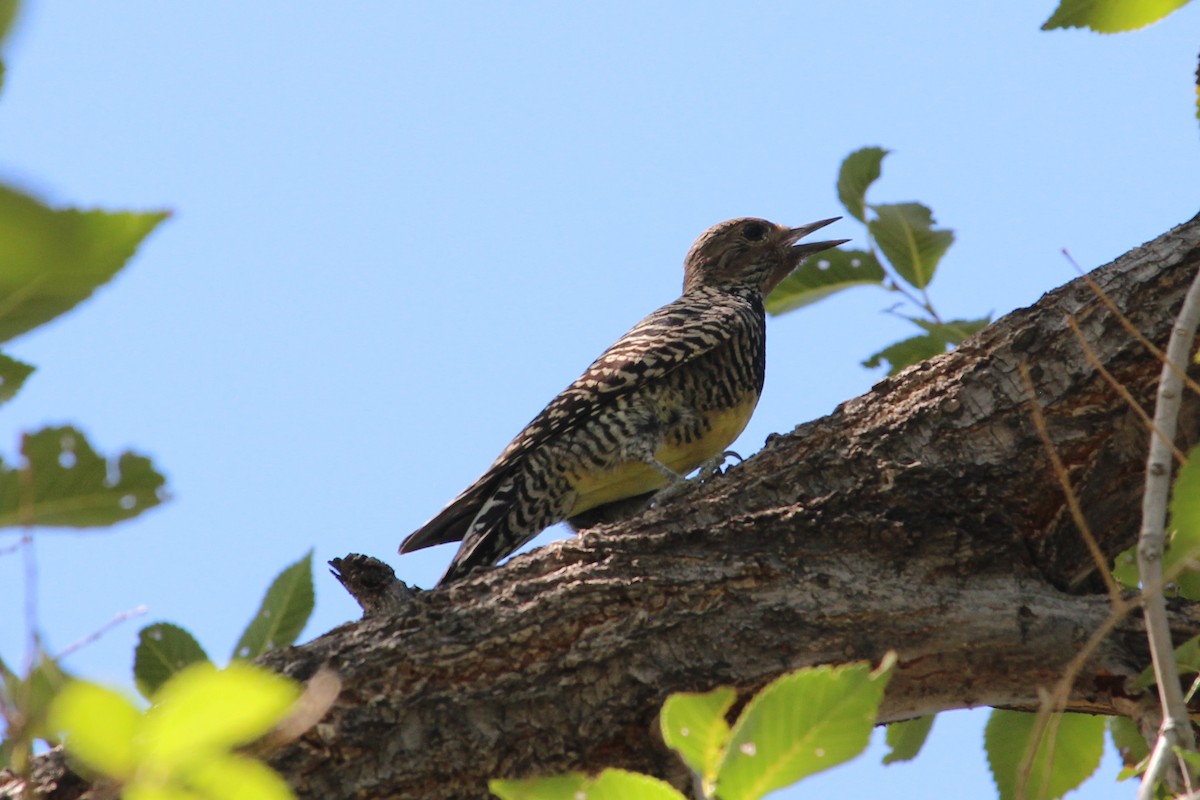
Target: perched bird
[(668, 397)]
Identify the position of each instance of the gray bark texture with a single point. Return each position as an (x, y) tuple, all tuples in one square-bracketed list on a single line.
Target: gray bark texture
[(923, 517)]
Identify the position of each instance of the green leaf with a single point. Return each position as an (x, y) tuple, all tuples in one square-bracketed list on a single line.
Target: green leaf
[(1130, 744), (64, 483), (800, 724), (859, 170), (53, 260), (822, 275), (162, 651), (694, 726), (1125, 568), (557, 787), (905, 739), (12, 375), (954, 332), (8, 15), (1187, 661), (1064, 758), (37, 693), (1110, 16), (1185, 527), (238, 778), (619, 784), (905, 234), (99, 725), (203, 711), (283, 614), (906, 352)]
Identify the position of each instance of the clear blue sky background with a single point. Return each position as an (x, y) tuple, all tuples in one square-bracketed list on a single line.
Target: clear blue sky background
[(401, 228)]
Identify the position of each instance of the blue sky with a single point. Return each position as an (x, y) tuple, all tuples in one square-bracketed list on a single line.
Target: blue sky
[(401, 228)]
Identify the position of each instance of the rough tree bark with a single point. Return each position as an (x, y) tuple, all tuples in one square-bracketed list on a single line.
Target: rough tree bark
[(922, 517)]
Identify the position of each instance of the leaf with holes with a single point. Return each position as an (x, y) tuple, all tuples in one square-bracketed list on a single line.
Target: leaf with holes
[(54, 259), (693, 725), (859, 170), (163, 650), (283, 614), (822, 275), (905, 234), (1110, 16), (64, 483), (1067, 753), (800, 724)]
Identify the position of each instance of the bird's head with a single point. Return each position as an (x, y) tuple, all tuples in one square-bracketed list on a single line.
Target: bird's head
[(749, 252)]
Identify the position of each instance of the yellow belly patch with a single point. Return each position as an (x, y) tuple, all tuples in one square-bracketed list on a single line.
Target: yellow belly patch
[(632, 478)]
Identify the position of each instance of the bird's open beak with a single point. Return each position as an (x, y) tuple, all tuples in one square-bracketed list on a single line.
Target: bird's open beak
[(799, 252)]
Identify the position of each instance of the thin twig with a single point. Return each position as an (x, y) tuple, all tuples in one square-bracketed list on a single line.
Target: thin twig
[(1126, 395), (1130, 327), (103, 629), (1176, 728), (1060, 471)]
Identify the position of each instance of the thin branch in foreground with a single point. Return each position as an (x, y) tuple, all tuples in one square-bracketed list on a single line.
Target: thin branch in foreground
[(1060, 471), (1176, 728)]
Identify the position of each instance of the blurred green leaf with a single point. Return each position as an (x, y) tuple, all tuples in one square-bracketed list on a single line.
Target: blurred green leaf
[(1110, 16), (8, 15), (55, 259), (822, 275), (859, 170), (907, 352), (162, 651), (1130, 744), (800, 724), (905, 234), (64, 483), (938, 337), (99, 725), (203, 711), (905, 739), (236, 777), (1062, 760), (1125, 568), (557, 787), (12, 375), (1187, 660), (1184, 529), (694, 726), (283, 614)]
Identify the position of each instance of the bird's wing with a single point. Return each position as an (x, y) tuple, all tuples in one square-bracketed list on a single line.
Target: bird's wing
[(671, 336)]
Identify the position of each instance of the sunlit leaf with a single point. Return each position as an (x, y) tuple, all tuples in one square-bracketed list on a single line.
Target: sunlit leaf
[(557, 787), (1125, 568), (12, 374), (1110, 16), (283, 614), (55, 259), (693, 725), (800, 724), (239, 778), (1064, 759), (905, 739), (619, 784), (202, 711), (822, 275), (162, 650), (99, 725), (66, 484), (859, 170), (905, 234), (1187, 661)]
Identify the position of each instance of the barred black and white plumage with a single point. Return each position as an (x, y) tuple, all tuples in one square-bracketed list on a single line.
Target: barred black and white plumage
[(669, 395)]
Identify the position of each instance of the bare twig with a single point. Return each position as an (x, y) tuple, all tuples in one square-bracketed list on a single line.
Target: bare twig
[(1060, 471), (1126, 395), (1176, 728), (103, 629)]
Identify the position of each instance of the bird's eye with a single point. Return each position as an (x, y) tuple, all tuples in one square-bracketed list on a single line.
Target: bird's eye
[(754, 231)]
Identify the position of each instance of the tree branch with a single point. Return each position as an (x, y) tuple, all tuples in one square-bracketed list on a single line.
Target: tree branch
[(922, 517)]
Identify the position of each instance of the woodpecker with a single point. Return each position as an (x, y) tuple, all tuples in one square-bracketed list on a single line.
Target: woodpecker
[(669, 396)]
